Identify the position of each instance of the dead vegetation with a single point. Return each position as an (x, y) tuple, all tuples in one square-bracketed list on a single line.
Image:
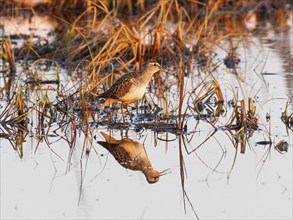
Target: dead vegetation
[(97, 44)]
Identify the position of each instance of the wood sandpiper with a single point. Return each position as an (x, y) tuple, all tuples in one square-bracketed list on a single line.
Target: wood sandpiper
[(130, 87), (131, 155)]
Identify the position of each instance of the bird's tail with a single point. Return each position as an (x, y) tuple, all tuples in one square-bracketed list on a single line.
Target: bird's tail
[(104, 95), (108, 138)]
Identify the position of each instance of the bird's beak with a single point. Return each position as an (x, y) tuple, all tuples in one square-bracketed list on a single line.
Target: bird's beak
[(164, 172)]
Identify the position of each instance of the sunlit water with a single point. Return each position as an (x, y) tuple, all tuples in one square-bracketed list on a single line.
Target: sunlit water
[(39, 185)]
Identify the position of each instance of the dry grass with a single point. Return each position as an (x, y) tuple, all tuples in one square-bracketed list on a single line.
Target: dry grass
[(99, 42)]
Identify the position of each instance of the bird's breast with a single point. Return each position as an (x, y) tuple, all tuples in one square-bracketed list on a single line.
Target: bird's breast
[(135, 93)]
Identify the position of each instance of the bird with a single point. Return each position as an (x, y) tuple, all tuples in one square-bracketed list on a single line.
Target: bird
[(131, 155), (130, 87)]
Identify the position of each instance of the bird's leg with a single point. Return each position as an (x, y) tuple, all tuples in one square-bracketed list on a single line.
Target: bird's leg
[(122, 112), (136, 105), (126, 132), (126, 105), (110, 116)]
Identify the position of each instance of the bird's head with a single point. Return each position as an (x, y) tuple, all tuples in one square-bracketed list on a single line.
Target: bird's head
[(153, 67), (152, 175)]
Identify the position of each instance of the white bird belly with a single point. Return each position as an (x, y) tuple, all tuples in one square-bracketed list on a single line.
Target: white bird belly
[(134, 94)]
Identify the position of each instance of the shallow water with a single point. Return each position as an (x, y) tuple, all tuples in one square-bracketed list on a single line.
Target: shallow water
[(44, 185)]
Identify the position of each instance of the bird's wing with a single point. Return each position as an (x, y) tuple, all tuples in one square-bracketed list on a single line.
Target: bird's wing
[(108, 146), (123, 85), (120, 87), (122, 156)]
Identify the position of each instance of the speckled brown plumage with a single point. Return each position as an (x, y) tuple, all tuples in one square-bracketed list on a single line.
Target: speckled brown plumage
[(131, 155), (131, 86), (120, 87)]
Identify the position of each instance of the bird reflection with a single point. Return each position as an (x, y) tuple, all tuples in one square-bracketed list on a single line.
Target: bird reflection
[(131, 155)]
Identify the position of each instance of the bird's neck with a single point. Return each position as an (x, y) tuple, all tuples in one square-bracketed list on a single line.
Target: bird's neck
[(146, 75), (147, 169)]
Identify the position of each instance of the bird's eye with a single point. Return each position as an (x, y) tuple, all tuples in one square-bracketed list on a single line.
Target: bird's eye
[(154, 64)]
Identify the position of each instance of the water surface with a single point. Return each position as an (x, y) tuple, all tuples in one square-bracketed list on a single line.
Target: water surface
[(45, 184)]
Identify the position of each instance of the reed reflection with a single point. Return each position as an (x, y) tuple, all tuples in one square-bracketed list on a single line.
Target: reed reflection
[(131, 155)]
